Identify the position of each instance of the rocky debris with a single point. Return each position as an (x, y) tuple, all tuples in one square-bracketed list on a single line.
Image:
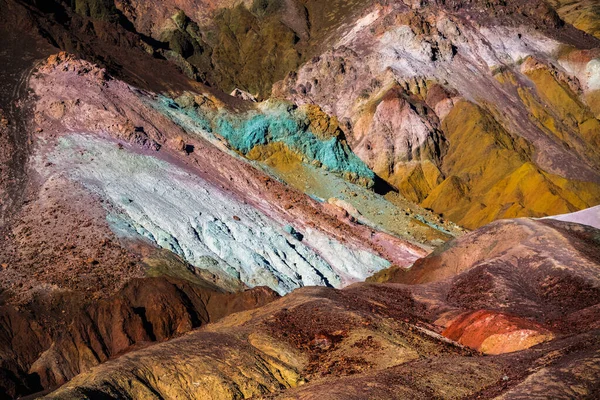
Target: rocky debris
[(276, 339), (518, 375), (241, 94), (69, 261), (348, 209), (292, 231), (62, 241)]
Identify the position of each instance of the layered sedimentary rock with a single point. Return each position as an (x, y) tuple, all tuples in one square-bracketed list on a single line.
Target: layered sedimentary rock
[(117, 184), (141, 204), (391, 74), (130, 184), (175, 196), (478, 120), (389, 340)]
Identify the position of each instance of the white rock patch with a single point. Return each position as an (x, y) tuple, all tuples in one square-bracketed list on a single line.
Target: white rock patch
[(187, 215), (592, 74), (510, 45), (359, 25), (400, 49)]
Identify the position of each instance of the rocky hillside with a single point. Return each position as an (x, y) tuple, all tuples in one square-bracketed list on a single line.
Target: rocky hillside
[(391, 340), (582, 15), (413, 85), (476, 114), (272, 199)]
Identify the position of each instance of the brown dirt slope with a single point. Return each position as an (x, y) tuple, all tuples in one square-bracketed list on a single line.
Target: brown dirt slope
[(536, 311), (55, 337)]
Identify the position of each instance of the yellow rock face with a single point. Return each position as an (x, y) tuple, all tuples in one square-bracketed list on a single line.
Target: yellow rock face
[(416, 181), (276, 155), (592, 99), (513, 341), (321, 124), (582, 14), (490, 173), (565, 104), (483, 168)]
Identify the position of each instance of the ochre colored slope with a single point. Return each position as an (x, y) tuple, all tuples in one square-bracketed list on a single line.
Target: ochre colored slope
[(571, 112), (491, 175), (582, 14)]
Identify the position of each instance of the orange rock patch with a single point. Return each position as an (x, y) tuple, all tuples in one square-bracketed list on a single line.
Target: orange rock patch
[(494, 332)]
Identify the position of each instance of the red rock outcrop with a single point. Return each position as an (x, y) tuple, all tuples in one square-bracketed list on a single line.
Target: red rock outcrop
[(495, 333)]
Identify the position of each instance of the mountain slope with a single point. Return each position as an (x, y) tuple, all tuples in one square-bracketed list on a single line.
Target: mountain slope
[(584, 15), (387, 340), (471, 118), (150, 222), (391, 74), (127, 192)]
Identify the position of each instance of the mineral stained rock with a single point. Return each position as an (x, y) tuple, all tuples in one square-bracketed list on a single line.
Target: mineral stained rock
[(299, 199), (391, 340)]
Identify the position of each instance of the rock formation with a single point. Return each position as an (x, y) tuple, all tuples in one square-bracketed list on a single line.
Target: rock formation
[(272, 199), (390, 340)]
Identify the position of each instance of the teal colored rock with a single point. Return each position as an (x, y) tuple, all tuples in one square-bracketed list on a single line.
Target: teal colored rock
[(246, 131), (276, 122)]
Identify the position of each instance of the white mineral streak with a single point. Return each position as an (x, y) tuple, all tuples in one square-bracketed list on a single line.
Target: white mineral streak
[(187, 215), (409, 56), (359, 25), (592, 74), (406, 54), (510, 45)]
